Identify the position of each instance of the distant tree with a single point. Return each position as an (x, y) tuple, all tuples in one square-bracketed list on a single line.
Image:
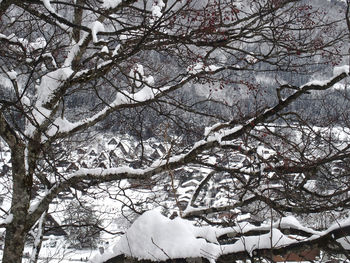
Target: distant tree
[(69, 69), (82, 225)]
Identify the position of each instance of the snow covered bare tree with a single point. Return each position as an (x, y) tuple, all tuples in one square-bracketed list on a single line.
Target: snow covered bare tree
[(72, 67)]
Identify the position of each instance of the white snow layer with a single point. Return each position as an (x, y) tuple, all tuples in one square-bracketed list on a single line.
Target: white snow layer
[(39, 43), (157, 8), (200, 67), (50, 83), (111, 3), (273, 239), (62, 124), (155, 237), (8, 219), (48, 6), (12, 75), (137, 74), (336, 72), (48, 86), (341, 69), (96, 27)]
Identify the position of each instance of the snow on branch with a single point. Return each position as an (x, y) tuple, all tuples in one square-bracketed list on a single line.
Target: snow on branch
[(199, 212), (54, 83), (157, 7), (96, 27), (110, 4), (215, 136), (213, 139), (6, 221), (285, 223), (62, 126), (49, 85), (224, 131), (338, 74), (157, 238), (48, 6), (200, 67)]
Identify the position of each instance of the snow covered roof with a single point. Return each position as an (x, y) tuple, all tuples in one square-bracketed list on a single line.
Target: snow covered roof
[(113, 141), (192, 182)]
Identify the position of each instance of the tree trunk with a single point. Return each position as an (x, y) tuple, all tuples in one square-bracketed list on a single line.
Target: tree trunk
[(17, 229), (14, 244)]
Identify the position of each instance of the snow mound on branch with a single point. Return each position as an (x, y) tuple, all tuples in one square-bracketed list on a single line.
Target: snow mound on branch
[(341, 69), (200, 67), (274, 239), (157, 8), (96, 27), (111, 3), (12, 75), (50, 83), (137, 74), (155, 237), (47, 4)]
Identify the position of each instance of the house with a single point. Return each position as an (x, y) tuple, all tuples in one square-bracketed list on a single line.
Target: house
[(113, 141), (81, 151), (63, 163), (240, 160), (161, 148), (52, 227), (102, 165), (113, 158), (112, 154), (122, 148), (136, 184), (83, 165), (72, 168), (102, 157), (5, 169), (190, 183), (155, 155), (92, 153)]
